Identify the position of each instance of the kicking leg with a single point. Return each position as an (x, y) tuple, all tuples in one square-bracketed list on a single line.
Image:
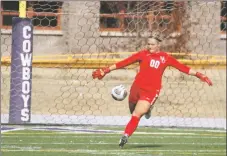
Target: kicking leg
[(152, 102), (131, 106)]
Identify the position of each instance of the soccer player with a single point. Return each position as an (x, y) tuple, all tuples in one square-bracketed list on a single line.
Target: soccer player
[(147, 84)]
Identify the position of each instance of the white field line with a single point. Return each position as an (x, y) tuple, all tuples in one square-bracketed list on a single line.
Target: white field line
[(164, 129), (88, 131), (128, 153), (22, 148), (106, 136), (103, 143), (120, 131), (93, 130), (139, 133), (16, 129), (123, 150), (114, 132), (193, 130), (155, 133)]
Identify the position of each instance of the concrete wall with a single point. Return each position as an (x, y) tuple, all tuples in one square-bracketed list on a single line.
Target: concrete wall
[(80, 33), (205, 28)]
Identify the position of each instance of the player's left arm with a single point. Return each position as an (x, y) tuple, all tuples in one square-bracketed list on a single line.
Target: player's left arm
[(185, 69)]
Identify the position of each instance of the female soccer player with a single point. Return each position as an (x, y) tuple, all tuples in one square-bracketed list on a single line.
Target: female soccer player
[(147, 84)]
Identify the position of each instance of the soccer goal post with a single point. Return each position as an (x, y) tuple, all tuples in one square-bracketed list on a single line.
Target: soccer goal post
[(72, 38), (21, 68)]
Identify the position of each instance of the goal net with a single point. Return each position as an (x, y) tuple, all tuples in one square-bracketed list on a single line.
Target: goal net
[(73, 38)]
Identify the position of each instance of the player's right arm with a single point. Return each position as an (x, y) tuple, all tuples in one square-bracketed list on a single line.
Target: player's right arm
[(100, 73)]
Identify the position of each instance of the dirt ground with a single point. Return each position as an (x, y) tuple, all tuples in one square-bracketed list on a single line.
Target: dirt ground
[(73, 92)]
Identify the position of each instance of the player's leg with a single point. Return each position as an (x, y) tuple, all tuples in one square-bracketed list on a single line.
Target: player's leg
[(133, 99), (132, 106), (141, 108), (148, 114), (124, 138), (150, 97)]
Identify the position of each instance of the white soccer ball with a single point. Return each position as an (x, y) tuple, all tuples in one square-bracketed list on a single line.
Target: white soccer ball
[(119, 92)]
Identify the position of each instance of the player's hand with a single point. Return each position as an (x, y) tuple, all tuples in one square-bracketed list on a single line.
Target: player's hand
[(100, 73), (204, 78)]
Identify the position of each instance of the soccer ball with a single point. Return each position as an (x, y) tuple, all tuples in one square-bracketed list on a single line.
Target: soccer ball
[(119, 93)]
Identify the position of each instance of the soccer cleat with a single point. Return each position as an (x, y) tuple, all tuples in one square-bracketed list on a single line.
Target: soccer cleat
[(148, 114), (123, 140)]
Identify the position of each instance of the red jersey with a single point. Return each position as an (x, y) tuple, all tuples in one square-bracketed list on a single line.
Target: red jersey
[(152, 66)]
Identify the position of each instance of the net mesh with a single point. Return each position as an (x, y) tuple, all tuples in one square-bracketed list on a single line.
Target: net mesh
[(71, 39)]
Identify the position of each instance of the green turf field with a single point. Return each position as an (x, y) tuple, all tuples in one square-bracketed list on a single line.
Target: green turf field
[(101, 141)]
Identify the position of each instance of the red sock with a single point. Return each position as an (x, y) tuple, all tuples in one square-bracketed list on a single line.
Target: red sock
[(132, 125)]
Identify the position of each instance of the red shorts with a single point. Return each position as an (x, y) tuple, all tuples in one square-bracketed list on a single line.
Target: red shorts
[(136, 94)]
